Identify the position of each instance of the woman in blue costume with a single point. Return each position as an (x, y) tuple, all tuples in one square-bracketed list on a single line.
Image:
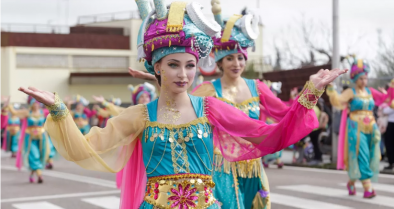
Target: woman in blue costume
[(13, 131), (81, 113), (166, 146), (251, 188), (34, 145), (358, 147)]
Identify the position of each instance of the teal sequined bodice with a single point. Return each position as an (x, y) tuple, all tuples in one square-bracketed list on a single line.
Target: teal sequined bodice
[(172, 149), (79, 115), (36, 121), (362, 102), (251, 106), (13, 120)]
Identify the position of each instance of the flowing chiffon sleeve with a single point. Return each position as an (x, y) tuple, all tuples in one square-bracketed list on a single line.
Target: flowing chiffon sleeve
[(89, 113), (113, 109), (379, 97), (339, 100), (234, 132), (102, 149), (205, 89), (270, 105), (4, 120), (23, 113)]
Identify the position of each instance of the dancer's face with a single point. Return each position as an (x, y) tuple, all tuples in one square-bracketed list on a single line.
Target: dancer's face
[(177, 71), (233, 65), (143, 99), (79, 106), (35, 106), (362, 81)]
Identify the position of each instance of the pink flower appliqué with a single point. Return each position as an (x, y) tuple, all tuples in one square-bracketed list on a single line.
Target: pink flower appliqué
[(183, 197), (367, 120)]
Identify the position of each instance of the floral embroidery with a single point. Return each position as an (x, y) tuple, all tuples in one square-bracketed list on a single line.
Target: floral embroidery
[(183, 197)]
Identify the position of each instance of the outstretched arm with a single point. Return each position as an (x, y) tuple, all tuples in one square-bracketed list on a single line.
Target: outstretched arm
[(102, 149), (240, 137)]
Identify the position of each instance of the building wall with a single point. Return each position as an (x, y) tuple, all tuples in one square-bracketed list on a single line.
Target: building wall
[(50, 68)]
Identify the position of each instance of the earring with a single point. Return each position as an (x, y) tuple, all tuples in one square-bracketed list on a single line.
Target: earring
[(158, 72)]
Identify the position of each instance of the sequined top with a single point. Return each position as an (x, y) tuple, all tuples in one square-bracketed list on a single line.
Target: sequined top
[(173, 149), (36, 121), (249, 106), (362, 102)]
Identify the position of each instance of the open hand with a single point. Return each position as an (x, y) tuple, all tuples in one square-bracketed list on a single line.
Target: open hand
[(324, 77), (99, 99), (45, 97), (141, 74)]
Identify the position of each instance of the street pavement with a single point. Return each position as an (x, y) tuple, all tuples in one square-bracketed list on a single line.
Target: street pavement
[(68, 186)]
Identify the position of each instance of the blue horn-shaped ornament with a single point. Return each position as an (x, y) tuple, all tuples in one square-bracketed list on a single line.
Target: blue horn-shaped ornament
[(161, 9), (217, 12), (144, 8)]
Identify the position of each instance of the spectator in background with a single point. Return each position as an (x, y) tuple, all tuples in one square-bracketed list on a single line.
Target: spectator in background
[(323, 121)]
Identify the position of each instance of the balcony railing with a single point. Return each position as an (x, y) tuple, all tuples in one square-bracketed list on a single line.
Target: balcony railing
[(34, 28), (107, 17)]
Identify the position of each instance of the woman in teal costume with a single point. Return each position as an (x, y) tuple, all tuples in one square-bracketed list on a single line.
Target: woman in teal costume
[(34, 145), (358, 147), (13, 130), (81, 113), (166, 146), (12, 135)]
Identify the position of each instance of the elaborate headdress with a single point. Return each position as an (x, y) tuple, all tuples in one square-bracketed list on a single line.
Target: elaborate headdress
[(80, 99), (115, 101), (180, 27), (31, 101), (145, 88), (358, 67), (274, 86), (238, 34)]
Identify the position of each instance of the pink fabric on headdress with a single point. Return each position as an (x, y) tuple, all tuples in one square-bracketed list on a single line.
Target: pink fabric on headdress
[(19, 154), (229, 45), (341, 140), (157, 35), (4, 123), (228, 136), (134, 180)]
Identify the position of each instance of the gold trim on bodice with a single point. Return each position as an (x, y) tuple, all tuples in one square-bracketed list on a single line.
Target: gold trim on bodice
[(35, 131), (365, 120), (13, 129), (81, 122), (245, 168), (186, 190)]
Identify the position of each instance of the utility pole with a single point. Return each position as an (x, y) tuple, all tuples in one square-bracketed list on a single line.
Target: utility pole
[(335, 64)]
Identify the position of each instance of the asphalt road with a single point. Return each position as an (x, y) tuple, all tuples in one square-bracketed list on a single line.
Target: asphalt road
[(70, 187)]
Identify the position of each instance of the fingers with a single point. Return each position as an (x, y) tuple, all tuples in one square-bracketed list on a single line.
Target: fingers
[(33, 89)]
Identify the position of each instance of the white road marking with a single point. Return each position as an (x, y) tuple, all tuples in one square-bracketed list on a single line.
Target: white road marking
[(376, 186), (34, 205), (72, 177), (340, 193), (108, 202), (318, 170), (303, 203), (48, 197)]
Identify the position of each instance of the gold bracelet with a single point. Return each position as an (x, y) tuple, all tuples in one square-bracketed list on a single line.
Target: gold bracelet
[(310, 95), (58, 110)]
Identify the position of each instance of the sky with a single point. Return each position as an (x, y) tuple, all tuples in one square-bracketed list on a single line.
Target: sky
[(359, 19)]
